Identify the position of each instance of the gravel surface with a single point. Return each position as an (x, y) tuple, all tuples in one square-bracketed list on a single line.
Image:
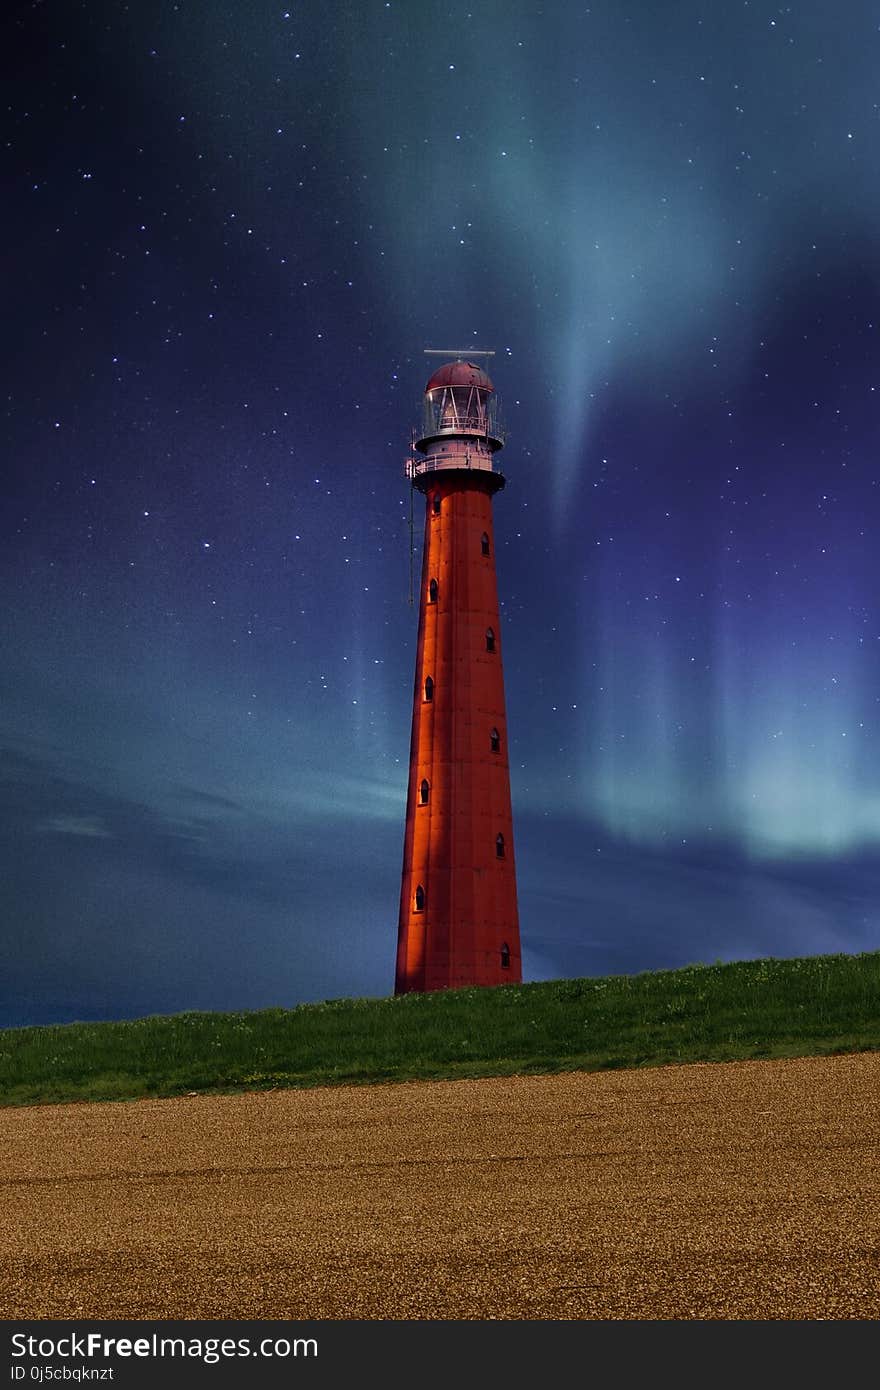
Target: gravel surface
[(736, 1190)]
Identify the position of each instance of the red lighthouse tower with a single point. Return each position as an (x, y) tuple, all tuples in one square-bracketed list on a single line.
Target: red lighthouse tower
[(458, 915)]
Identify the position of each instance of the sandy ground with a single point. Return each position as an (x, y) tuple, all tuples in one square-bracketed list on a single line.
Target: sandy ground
[(743, 1190)]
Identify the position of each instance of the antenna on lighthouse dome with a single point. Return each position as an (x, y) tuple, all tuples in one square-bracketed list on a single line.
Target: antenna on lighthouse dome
[(460, 354)]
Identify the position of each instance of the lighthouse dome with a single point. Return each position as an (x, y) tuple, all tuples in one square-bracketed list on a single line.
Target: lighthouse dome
[(459, 374)]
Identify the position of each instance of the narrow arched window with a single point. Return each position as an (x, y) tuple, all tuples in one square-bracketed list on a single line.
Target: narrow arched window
[(499, 846), (432, 591), (429, 688), (490, 639), (424, 792), (484, 543), (436, 503), (495, 740), (505, 956), (420, 899)]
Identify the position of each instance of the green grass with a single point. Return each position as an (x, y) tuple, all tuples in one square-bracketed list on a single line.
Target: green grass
[(761, 1008)]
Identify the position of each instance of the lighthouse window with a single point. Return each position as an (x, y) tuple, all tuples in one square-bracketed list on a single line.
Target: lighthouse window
[(495, 740), (420, 899), (505, 956), (432, 591), (424, 792), (436, 503), (429, 689), (484, 543), (490, 639), (499, 846)]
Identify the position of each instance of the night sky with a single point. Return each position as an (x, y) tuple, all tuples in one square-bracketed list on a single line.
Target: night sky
[(231, 230)]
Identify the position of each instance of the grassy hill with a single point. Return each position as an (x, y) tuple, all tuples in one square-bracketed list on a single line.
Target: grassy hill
[(760, 1008)]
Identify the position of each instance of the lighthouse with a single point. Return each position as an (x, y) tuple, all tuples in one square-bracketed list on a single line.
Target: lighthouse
[(458, 922)]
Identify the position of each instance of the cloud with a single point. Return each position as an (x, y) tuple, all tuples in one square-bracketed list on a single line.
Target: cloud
[(91, 827), (169, 896)]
